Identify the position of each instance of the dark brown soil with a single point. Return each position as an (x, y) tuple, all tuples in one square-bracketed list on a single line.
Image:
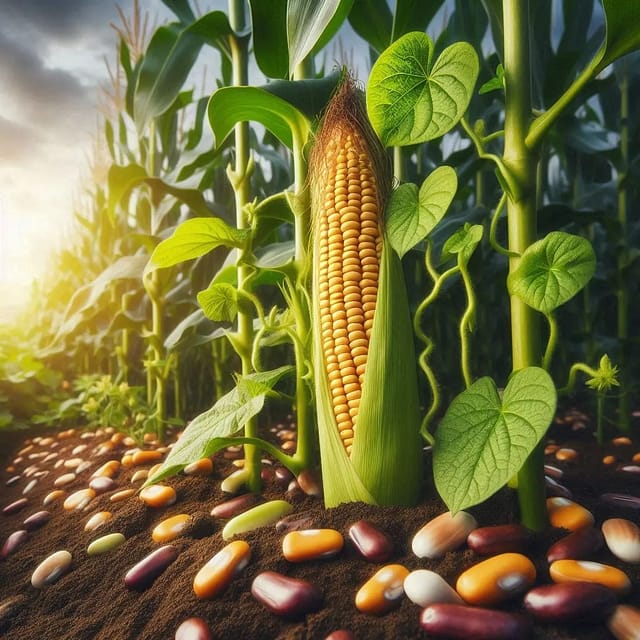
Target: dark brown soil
[(92, 602)]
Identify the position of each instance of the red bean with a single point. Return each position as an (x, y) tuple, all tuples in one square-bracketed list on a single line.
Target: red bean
[(459, 622), (286, 597), (36, 520), (14, 507), (499, 539), (568, 601), (236, 505), (142, 575), (621, 500), (371, 543), (13, 542), (577, 545)]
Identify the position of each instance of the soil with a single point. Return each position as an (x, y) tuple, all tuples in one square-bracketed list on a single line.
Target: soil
[(91, 601)]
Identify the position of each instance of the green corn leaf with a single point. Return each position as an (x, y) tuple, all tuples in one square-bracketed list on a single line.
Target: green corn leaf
[(387, 446), (206, 433), (269, 31), (483, 439), (411, 214), (373, 22), (412, 99), (552, 270), (413, 15), (231, 105), (192, 239)]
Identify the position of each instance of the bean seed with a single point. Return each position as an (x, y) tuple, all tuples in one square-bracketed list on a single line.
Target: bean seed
[(624, 624), (576, 546), (370, 542), (287, 597), (14, 507), (623, 539), (236, 505), (566, 514), (193, 629), (621, 500), (443, 533), (260, 516), (36, 520), (582, 570), (570, 601), (214, 576), (501, 538), (383, 591), (13, 542), (460, 622), (424, 587), (50, 569), (142, 575)]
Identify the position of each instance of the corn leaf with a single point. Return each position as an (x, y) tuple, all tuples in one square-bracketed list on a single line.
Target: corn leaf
[(206, 433)]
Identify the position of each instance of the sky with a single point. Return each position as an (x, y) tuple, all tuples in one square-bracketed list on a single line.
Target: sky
[(52, 64)]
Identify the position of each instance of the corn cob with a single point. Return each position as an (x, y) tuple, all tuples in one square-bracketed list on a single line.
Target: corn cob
[(360, 308)]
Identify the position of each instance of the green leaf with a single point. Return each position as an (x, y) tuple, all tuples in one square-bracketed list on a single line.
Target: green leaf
[(192, 239), (484, 440), (231, 105), (311, 23), (168, 60), (623, 34), (181, 8), (219, 302), (277, 256), (411, 99), (463, 241), (495, 84), (552, 270), (412, 214), (373, 22), (228, 416), (413, 15), (269, 30)]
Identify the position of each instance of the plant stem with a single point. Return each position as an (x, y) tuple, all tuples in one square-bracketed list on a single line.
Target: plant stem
[(522, 226), (240, 179), (624, 408)]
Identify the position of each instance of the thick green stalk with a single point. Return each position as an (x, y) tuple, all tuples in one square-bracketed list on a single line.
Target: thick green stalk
[(522, 225), (157, 329), (240, 182), (624, 408)]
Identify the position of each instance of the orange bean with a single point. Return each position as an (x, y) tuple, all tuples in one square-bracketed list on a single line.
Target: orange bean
[(214, 576), (311, 544), (158, 495), (496, 579), (383, 591), (145, 457), (587, 571), (170, 528), (566, 514)]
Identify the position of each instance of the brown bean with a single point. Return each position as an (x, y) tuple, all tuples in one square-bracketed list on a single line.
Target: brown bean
[(459, 622), (142, 575), (36, 520), (286, 597), (499, 539), (371, 543), (577, 545), (236, 505), (15, 506), (570, 601)]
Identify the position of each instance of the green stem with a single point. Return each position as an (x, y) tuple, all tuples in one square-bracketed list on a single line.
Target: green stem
[(157, 329), (551, 342), (493, 241), (466, 324), (520, 164), (239, 45), (399, 169), (622, 296)]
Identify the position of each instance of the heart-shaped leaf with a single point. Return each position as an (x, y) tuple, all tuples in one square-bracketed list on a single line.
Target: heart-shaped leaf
[(463, 242), (552, 271), (412, 214), (219, 302), (411, 99), (484, 440)]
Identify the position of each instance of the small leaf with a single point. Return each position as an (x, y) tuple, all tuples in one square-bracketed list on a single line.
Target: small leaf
[(193, 239), (219, 302), (412, 214), (552, 271), (463, 241), (496, 83), (623, 35), (224, 419), (231, 105), (483, 440), (410, 99)]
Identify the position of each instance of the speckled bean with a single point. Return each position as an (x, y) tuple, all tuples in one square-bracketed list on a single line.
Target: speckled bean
[(459, 622), (371, 543), (577, 545), (624, 624), (500, 538), (193, 629), (623, 539), (142, 575), (570, 601), (287, 597), (443, 533), (50, 569)]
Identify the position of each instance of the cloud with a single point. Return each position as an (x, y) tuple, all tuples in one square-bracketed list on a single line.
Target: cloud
[(16, 140)]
